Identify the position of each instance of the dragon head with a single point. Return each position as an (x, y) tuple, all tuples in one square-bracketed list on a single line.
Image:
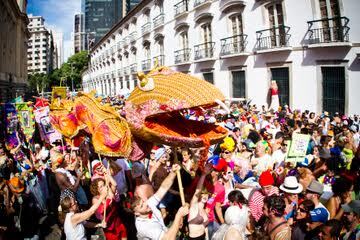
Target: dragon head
[(154, 109)]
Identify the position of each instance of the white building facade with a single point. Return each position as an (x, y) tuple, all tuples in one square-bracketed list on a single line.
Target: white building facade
[(310, 48), (40, 47)]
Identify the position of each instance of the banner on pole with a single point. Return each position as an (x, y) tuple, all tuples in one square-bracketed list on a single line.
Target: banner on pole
[(26, 118), (11, 124), (47, 132), (58, 93)]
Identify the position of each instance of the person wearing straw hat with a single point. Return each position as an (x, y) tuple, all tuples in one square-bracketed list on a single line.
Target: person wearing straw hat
[(291, 188)]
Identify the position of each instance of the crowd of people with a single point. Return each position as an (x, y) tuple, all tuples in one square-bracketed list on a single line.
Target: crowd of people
[(248, 188)]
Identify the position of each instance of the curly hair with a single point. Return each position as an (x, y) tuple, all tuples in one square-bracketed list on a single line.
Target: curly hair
[(341, 186), (276, 204), (94, 186)]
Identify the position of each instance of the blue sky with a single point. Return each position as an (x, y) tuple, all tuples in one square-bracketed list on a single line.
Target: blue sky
[(58, 15)]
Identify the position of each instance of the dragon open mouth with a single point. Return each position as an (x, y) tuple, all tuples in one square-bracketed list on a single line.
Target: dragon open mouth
[(174, 127)]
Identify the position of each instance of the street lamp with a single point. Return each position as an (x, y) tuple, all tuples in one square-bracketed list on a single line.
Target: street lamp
[(71, 76)]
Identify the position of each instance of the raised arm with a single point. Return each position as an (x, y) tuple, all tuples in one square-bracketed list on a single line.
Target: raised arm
[(200, 183), (167, 183), (174, 229), (80, 217), (63, 182)]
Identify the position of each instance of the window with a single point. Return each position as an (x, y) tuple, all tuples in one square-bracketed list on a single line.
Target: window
[(332, 29), (127, 82), (206, 32), (236, 24), (276, 24), (237, 33), (281, 76), (238, 84), (333, 86), (184, 42), (209, 77), (147, 52)]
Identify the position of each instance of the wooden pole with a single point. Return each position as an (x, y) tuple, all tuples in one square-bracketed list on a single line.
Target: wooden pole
[(178, 175), (106, 184)]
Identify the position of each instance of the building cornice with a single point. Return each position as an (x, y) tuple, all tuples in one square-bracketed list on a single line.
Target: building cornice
[(122, 21)]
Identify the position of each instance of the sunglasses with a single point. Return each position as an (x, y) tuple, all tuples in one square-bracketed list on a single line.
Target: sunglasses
[(302, 210), (152, 153), (226, 152)]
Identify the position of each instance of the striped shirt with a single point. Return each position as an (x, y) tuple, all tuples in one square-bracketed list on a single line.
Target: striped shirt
[(256, 202)]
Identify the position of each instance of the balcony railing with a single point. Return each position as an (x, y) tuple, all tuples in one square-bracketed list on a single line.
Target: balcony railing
[(328, 30), (126, 70), (160, 60), (159, 20), (233, 45), (146, 28), (275, 37), (133, 68), (200, 2), (182, 56), (119, 45), (132, 37), (204, 50), (126, 41), (146, 64), (181, 7)]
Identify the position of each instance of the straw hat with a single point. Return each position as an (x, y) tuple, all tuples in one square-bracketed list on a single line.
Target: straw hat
[(291, 185), (16, 185)]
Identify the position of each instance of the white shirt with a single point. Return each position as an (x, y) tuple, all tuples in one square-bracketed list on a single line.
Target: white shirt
[(120, 177), (71, 232), (151, 228), (263, 163)]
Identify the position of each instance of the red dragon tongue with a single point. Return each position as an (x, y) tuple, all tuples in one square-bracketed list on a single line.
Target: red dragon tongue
[(204, 152)]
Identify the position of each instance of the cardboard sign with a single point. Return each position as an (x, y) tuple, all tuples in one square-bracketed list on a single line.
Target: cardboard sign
[(299, 145)]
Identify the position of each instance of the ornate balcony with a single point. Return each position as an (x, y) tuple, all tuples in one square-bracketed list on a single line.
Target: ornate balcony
[(159, 20), (146, 28), (133, 68), (199, 3), (126, 70), (181, 8), (204, 50), (119, 46), (233, 45), (160, 60), (126, 41), (119, 72), (328, 31), (146, 65), (182, 56), (132, 37), (272, 38)]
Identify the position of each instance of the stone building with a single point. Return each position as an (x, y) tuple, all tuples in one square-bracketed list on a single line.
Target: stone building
[(13, 48)]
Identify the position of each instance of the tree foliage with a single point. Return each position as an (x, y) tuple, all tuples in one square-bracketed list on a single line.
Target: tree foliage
[(71, 70)]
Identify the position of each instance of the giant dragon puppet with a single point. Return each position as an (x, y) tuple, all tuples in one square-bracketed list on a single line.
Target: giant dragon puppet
[(153, 115)]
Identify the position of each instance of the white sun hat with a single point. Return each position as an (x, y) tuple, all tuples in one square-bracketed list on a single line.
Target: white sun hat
[(291, 185)]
